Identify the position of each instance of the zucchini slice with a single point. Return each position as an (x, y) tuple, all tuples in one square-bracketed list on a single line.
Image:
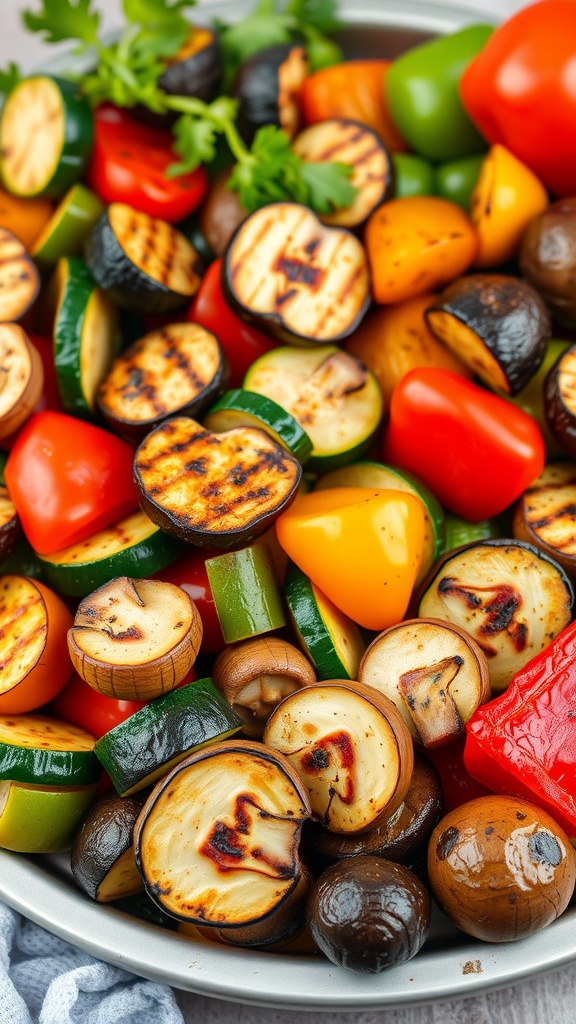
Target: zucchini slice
[(435, 674), (546, 515), (134, 546), (142, 262), (560, 400), (46, 135), (9, 524), (356, 145), (177, 370), (217, 840), (378, 477), (511, 598), (69, 226), (247, 409), (497, 325), (214, 490), (295, 278), (331, 640), (41, 819), (330, 393), (22, 377), (46, 752), (246, 594), (86, 336), (19, 278), (135, 639), (102, 857), (351, 749), (147, 745)]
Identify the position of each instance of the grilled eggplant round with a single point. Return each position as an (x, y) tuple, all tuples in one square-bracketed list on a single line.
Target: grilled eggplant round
[(19, 278), (294, 278), (102, 856), (511, 598), (142, 262), (267, 88), (22, 377), (497, 325), (196, 69), (546, 515), (560, 400)]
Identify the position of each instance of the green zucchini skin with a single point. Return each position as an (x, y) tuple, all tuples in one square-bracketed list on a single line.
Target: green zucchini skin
[(126, 283), (252, 410), (314, 632), (77, 142), (40, 766), (245, 591), (72, 328), (69, 227), (139, 560), (145, 746)]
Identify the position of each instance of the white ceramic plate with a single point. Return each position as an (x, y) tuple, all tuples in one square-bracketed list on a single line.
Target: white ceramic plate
[(449, 965)]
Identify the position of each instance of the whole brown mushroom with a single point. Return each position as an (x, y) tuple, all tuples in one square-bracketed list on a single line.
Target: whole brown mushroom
[(501, 868)]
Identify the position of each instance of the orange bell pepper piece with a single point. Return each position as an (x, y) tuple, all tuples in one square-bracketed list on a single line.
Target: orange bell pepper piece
[(361, 547)]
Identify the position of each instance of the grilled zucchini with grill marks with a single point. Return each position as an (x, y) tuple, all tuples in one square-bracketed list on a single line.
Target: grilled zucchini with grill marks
[(177, 370), (215, 490), (349, 142), (295, 278), (141, 261), (19, 278)]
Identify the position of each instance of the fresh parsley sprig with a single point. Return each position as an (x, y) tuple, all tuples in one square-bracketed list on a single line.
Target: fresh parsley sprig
[(128, 73)]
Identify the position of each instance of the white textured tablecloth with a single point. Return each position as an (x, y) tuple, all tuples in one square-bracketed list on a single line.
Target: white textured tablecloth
[(44, 980)]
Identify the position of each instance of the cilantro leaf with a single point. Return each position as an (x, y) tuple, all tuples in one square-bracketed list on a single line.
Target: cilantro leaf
[(329, 185), (152, 13), (64, 19), (195, 141), (9, 78), (321, 14)]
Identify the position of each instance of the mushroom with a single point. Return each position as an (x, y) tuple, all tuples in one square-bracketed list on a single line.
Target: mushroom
[(256, 675), (135, 639), (368, 914), (501, 868)]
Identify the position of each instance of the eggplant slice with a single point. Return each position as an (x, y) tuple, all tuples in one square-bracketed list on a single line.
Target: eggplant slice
[(217, 839), (142, 262), (560, 400), (196, 69), (21, 378), (497, 325), (19, 278), (9, 524), (102, 857), (214, 490), (268, 87), (294, 278), (511, 598), (546, 515), (177, 370), (351, 143)]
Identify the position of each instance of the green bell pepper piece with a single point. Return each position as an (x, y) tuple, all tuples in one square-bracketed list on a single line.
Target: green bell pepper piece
[(413, 176), (457, 179)]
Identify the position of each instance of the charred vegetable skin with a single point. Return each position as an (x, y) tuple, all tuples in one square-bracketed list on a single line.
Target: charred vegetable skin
[(524, 743), (546, 515), (294, 278), (267, 88), (102, 856), (559, 402), (215, 490), (497, 325), (196, 69), (142, 262), (367, 914)]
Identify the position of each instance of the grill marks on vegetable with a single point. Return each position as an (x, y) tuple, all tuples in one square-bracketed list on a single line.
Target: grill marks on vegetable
[(23, 629), (295, 277), (19, 278), (214, 488), (546, 514)]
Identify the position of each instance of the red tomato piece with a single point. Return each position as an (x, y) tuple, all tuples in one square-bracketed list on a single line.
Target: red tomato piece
[(242, 344), (476, 451), (81, 705), (128, 165), (189, 572), (520, 91), (50, 398), (68, 479), (457, 783)]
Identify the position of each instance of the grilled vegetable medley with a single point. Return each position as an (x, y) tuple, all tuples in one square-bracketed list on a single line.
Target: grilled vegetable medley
[(288, 475)]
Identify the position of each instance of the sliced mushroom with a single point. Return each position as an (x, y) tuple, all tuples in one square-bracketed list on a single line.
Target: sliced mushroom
[(135, 639), (497, 325), (433, 671), (546, 515), (102, 857), (403, 837), (256, 675), (221, 213), (350, 746), (217, 839), (511, 598), (21, 378)]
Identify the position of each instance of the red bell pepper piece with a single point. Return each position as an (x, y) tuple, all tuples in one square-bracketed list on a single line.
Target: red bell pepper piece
[(476, 451), (524, 742)]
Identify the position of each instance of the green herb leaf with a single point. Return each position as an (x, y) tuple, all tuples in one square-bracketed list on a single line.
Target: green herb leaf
[(64, 19), (9, 78), (321, 14), (241, 41), (329, 186), (195, 141), (152, 13)]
